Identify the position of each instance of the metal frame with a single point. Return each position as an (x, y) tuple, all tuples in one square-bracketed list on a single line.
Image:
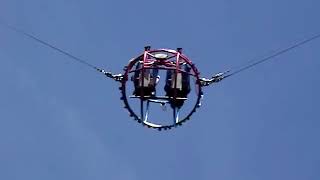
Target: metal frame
[(147, 62)]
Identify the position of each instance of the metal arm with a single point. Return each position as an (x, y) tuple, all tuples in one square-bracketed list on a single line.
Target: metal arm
[(214, 79), (116, 77)]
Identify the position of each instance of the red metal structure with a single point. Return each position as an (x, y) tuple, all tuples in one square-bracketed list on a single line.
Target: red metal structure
[(165, 60)]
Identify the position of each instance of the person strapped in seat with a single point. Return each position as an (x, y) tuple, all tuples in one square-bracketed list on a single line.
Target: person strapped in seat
[(177, 85), (145, 81)]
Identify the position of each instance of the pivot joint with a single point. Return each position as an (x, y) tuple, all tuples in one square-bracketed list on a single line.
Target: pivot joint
[(116, 77)]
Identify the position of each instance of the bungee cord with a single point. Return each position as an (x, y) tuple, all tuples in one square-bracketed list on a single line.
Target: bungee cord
[(79, 60), (222, 75), (203, 81), (278, 53), (123, 78), (116, 77)]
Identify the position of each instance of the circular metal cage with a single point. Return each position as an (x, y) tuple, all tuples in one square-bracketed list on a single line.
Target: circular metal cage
[(144, 69)]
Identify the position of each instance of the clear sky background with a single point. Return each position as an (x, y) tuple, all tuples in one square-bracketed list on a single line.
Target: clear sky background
[(60, 120)]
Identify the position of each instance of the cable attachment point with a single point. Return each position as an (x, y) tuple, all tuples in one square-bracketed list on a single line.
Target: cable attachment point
[(116, 77), (214, 79)]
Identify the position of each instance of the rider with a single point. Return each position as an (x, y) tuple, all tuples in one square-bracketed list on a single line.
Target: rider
[(178, 85), (145, 86)]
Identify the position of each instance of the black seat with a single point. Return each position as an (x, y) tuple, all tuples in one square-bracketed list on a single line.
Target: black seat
[(179, 88), (145, 86)]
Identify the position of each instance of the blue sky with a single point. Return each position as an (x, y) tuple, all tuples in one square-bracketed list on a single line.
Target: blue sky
[(60, 120)]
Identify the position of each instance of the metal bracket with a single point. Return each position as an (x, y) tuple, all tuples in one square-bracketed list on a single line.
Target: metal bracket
[(214, 79), (116, 77)]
